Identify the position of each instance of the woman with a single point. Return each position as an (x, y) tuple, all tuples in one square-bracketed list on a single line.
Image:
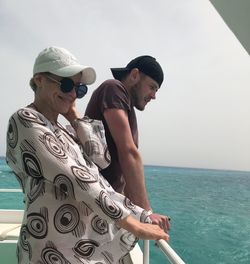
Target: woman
[(72, 215)]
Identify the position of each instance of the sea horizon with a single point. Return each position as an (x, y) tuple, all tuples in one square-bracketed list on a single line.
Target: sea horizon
[(183, 167)]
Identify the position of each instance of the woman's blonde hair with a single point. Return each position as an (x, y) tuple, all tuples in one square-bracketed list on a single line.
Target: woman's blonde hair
[(33, 84)]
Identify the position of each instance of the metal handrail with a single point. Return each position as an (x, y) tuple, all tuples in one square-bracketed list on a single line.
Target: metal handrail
[(166, 249)]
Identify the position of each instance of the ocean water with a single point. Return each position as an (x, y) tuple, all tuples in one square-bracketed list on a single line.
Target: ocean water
[(209, 210)]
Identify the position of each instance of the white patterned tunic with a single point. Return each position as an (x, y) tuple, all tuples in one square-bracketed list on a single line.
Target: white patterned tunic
[(70, 209)]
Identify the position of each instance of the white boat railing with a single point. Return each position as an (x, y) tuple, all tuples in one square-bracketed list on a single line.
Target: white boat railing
[(162, 244), (10, 190), (165, 248), (146, 250)]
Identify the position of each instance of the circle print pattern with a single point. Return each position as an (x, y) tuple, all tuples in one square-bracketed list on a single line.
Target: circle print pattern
[(52, 256), (128, 241), (37, 225), (63, 187), (83, 177), (12, 134), (66, 219), (36, 188), (108, 206), (31, 116), (85, 248), (128, 204), (32, 165), (83, 174), (99, 225), (53, 146), (24, 235), (144, 218)]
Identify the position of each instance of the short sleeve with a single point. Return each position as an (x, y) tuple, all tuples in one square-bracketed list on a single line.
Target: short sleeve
[(114, 95)]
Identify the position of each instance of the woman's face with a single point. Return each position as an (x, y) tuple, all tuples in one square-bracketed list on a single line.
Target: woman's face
[(50, 96)]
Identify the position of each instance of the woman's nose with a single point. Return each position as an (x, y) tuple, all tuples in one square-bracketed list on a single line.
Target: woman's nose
[(72, 93)]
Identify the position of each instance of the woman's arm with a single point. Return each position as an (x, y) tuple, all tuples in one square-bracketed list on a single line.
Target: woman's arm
[(142, 230), (47, 154)]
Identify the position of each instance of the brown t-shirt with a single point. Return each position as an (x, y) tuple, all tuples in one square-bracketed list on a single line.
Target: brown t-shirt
[(109, 95)]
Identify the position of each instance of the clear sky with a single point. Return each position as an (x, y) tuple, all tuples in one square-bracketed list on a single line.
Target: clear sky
[(201, 115)]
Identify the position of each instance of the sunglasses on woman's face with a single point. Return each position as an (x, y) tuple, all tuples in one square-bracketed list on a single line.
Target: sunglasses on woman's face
[(67, 85)]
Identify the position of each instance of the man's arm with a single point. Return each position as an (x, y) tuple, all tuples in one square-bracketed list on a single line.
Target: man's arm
[(129, 156), (131, 163)]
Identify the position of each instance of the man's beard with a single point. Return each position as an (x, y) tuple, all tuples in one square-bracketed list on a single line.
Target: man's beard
[(135, 98)]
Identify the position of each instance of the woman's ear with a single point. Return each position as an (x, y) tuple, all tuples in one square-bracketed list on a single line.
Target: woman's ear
[(38, 79)]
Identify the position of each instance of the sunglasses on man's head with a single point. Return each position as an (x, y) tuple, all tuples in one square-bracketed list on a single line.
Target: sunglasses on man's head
[(67, 85)]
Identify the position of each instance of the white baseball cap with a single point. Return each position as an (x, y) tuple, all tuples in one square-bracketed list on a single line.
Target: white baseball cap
[(61, 62)]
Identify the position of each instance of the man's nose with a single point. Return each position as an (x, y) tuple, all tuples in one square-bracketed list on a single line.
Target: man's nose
[(153, 95)]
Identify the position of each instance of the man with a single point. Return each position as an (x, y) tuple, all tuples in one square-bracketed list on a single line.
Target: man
[(113, 103)]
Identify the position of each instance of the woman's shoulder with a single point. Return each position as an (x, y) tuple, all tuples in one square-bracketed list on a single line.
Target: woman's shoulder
[(29, 114)]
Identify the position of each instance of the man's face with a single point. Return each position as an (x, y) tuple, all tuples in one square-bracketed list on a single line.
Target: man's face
[(143, 91)]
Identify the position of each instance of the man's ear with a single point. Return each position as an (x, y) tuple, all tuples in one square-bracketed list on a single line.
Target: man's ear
[(135, 75)]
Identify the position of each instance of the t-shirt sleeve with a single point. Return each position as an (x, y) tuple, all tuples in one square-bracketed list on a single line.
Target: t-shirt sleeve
[(114, 95)]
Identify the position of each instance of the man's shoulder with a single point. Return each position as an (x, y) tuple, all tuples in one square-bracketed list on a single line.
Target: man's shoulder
[(110, 94), (111, 87), (112, 83)]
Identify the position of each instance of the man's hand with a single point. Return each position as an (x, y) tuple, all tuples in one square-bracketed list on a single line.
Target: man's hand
[(162, 221)]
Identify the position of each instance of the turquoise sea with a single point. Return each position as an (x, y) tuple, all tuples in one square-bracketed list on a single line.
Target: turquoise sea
[(209, 210)]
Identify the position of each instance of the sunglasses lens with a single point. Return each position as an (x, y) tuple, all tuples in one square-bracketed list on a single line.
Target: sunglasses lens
[(81, 90), (66, 85)]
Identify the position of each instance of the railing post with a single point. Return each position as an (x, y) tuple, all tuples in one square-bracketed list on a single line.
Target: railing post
[(166, 249), (169, 252), (145, 251)]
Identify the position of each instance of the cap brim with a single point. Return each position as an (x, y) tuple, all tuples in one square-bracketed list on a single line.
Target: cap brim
[(88, 73), (119, 73)]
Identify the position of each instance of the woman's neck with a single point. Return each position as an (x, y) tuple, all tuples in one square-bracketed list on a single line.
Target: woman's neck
[(41, 108)]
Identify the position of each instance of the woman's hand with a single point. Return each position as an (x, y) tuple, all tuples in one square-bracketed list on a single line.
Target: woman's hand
[(143, 230), (72, 114)]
